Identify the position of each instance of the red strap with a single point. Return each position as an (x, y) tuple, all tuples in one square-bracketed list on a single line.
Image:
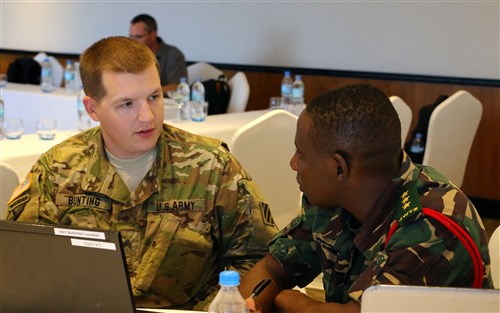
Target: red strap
[(394, 226), (461, 234), (467, 241)]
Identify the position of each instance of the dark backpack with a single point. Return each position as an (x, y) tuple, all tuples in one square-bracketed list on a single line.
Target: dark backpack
[(24, 70), (422, 125), (217, 93)]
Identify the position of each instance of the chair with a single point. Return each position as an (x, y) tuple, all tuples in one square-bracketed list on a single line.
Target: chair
[(240, 91), (405, 116), (202, 70), (8, 182), (264, 148), (452, 127), (494, 247)]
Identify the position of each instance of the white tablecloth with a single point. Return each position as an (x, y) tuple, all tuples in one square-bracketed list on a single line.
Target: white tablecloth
[(23, 153), (29, 103)]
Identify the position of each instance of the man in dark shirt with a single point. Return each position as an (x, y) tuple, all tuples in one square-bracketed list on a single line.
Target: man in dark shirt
[(143, 28)]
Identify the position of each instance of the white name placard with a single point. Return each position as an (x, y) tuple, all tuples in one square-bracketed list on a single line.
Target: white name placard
[(79, 233), (93, 244)]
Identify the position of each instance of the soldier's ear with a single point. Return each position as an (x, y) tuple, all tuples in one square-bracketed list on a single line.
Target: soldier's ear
[(90, 106), (341, 167)]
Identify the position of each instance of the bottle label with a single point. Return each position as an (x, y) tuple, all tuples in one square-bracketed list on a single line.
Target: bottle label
[(46, 72), (198, 97), (69, 76), (297, 92), (417, 149), (286, 89)]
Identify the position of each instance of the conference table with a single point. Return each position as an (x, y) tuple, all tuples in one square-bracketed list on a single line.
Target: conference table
[(22, 153), (29, 103)]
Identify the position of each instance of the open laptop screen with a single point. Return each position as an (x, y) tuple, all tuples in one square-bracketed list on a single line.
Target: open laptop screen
[(48, 268)]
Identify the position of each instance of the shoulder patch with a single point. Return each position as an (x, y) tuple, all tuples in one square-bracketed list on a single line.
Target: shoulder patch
[(267, 217), (25, 185), (15, 207)]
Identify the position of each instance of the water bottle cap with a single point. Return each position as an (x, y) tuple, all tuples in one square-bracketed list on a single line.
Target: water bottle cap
[(229, 278), (298, 77), (183, 79), (287, 73), (418, 135)]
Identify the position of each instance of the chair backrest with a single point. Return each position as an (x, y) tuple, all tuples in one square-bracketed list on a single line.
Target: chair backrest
[(264, 148), (494, 247), (202, 70), (240, 91), (405, 116), (452, 127), (8, 182)]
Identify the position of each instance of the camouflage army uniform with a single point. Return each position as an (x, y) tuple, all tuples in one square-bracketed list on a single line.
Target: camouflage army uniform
[(194, 213), (352, 256)]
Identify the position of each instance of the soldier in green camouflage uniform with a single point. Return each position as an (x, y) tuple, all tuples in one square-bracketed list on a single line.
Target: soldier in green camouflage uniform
[(348, 215), (193, 212)]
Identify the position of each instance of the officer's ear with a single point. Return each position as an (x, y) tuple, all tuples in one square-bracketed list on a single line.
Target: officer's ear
[(90, 106), (341, 166)]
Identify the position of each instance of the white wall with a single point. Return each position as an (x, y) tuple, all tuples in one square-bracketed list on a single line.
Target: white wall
[(443, 38)]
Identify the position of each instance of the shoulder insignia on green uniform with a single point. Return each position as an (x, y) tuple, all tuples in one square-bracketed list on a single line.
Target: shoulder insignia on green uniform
[(267, 217), (409, 204)]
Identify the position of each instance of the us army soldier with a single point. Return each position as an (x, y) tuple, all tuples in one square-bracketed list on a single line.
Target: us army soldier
[(185, 207)]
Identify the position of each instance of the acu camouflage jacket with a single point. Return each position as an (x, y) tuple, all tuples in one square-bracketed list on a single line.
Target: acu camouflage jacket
[(195, 212)]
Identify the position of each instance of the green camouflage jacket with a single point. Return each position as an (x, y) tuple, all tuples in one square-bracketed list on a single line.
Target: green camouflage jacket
[(195, 212), (352, 256)]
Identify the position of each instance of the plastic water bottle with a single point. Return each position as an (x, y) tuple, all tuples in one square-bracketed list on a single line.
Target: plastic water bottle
[(46, 83), (83, 118), (228, 299), (2, 112), (298, 90), (70, 77), (184, 90), (286, 88), (417, 146), (198, 92)]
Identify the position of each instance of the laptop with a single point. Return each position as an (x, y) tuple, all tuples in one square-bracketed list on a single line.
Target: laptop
[(48, 268), (389, 298)]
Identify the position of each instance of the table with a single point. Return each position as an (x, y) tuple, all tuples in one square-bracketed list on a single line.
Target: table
[(29, 103), (23, 153)]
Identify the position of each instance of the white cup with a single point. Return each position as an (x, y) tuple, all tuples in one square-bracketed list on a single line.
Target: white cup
[(46, 128), (198, 111), (276, 103), (13, 128)]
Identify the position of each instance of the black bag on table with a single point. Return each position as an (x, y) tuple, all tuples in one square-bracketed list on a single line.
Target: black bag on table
[(217, 93), (24, 70), (422, 125)]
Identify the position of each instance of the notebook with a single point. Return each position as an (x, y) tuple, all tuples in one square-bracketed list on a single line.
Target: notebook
[(385, 298), (47, 268)]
